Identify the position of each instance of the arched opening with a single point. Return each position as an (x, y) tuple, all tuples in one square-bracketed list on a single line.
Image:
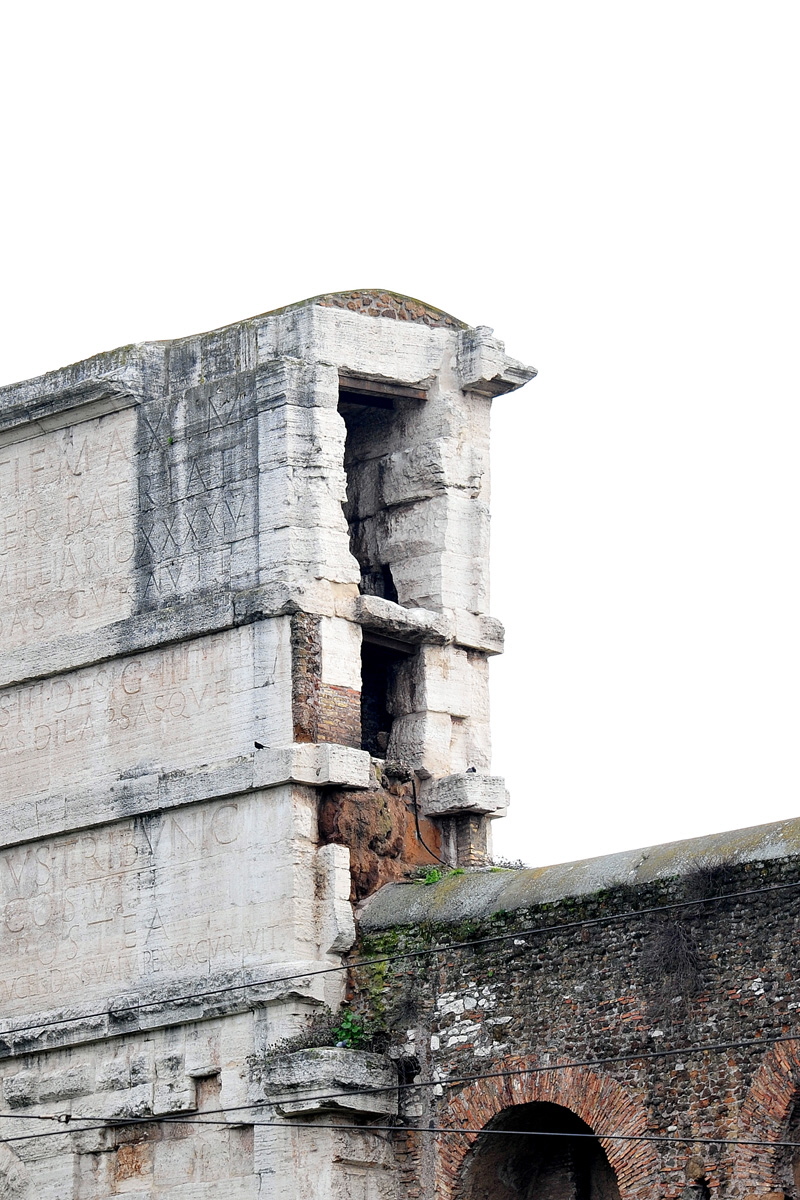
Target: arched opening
[(789, 1156), (556, 1166), (771, 1114)]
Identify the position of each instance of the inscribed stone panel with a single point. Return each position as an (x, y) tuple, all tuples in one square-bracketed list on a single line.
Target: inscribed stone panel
[(199, 702), (163, 897), (67, 540), (197, 493)]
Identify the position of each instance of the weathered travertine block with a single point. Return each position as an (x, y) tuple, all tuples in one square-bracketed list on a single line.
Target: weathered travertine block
[(295, 1164), (421, 741), (410, 625), (422, 472), (340, 642), (174, 896), (67, 529), (442, 580), (444, 679), (477, 631), (320, 764), (320, 1071), (465, 792), (169, 709), (484, 367)]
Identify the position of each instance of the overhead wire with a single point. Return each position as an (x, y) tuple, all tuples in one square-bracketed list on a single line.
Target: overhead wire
[(422, 952), (201, 1119), (540, 1069), (444, 1082)]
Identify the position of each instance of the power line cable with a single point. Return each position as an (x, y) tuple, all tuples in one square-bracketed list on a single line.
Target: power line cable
[(425, 952), (452, 1081), (430, 1129)]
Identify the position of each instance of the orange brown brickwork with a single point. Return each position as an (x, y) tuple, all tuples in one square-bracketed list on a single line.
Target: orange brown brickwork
[(321, 712)]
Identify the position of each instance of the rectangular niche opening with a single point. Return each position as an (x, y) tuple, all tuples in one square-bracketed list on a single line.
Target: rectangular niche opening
[(381, 659), (373, 412)]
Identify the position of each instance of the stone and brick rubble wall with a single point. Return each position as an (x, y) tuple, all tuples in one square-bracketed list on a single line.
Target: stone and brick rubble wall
[(393, 306), (599, 991)]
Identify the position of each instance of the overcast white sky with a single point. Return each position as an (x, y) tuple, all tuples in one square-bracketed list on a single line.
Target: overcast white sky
[(614, 188)]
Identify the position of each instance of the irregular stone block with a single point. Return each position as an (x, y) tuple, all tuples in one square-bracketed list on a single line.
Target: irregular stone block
[(22, 1089), (483, 366), (421, 742), (172, 708), (412, 625), (319, 764), (477, 631), (467, 792), (331, 1069)]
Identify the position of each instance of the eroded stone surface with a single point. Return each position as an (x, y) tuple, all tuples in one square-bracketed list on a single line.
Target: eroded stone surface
[(67, 530), (223, 559), (171, 708)]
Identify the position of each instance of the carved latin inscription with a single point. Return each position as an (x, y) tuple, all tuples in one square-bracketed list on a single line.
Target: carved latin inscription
[(195, 703), (173, 894), (67, 530)]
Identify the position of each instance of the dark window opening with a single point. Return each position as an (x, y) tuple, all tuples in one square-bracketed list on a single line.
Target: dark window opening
[(371, 411), (379, 583), (380, 660)]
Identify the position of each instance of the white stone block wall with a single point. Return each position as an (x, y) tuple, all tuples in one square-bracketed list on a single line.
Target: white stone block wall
[(181, 636)]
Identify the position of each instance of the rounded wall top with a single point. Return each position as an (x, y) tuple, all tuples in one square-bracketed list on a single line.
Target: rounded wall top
[(376, 303)]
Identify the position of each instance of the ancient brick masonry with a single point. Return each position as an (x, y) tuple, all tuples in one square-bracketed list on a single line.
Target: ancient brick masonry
[(321, 712), (598, 991)]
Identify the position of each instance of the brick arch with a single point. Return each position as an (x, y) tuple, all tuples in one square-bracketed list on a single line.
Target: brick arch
[(597, 1099), (765, 1116)]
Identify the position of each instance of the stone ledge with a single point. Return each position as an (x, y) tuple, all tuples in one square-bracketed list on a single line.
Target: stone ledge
[(316, 763), (205, 614), (465, 793), (476, 631), (50, 814), (415, 625), (231, 608), (330, 1069), (484, 367), (473, 631), (182, 1000), (93, 397)]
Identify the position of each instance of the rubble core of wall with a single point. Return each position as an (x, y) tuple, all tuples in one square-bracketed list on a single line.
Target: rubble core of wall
[(618, 986), (379, 828)]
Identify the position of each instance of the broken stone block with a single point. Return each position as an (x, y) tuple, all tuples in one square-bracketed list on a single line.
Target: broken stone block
[(331, 1069), (483, 366), (467, 792)]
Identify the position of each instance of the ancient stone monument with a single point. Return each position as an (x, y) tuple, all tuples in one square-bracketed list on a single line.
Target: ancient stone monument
[(244, 613), (245, 629)]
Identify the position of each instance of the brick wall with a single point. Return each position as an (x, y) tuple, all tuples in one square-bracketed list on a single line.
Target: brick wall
[(321, 712), (714, 972)]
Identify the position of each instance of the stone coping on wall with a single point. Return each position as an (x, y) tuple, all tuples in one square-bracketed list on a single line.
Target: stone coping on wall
[(479, 894), (128, 372), (222, 609), (179, 1001)]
